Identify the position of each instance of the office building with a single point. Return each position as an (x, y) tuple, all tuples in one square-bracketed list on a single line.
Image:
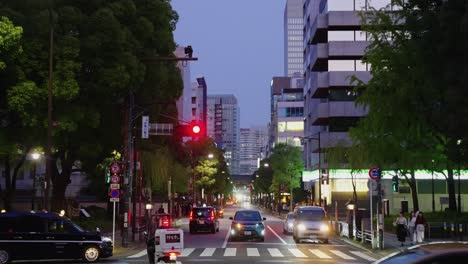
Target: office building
[(223, 126), (252, 143), (293, 37)]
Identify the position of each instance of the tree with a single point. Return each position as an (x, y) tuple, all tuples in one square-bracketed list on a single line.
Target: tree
[(205, 170), (413, 96), (287, 167)]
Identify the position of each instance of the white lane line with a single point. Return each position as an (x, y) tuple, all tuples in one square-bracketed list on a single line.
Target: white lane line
[(208, 252), (139, 254), (297, 253), (186, 252), (230, 252), (319, 253), (253, 252), (274, 252), (341, 254), (282, 240), (362, 255), (226, 238)]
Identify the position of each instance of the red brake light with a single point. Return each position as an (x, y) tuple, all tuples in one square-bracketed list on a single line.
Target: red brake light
[(191, 215)]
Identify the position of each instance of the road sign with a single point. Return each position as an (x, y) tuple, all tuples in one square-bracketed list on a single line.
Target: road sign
[(374, 173), (372, 185), (114, 193), (114, 199), (115, 168), (115, 179), (145, 127), (115, 186)]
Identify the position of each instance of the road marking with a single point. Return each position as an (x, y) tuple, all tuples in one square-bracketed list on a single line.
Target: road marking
[(139, 254), (282, 240), (341, 254), (362, 255), (319, 253), (253, 252), (296, 252), (230, 252), (186, 252), (208, 252), (274, 252), (226, 238)]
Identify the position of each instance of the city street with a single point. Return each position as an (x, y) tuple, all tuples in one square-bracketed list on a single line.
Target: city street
[(277, 248)]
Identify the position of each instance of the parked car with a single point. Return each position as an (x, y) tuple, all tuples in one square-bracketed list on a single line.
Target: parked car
[(430, 253), (288, 223), (37, 236), (219, 211), (310, 222), (247, 224), (203, 218)]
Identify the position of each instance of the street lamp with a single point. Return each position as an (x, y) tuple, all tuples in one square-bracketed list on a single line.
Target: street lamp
[(266, 165), (35, 156), (319, 165), (210, 156)]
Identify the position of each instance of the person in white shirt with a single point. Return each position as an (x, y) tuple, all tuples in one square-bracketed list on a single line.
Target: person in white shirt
[(411, 227), (401, 224)]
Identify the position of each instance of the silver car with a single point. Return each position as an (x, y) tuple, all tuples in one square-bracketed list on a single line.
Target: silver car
[(288, 223), (310, 222)]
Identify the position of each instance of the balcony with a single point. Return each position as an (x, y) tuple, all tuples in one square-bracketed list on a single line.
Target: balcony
[(347, 49), (328, 110)]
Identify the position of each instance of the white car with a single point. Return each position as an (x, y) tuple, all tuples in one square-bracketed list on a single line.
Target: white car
[(288, 223)]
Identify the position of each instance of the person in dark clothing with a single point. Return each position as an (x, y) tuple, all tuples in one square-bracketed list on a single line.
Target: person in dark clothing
[(401, 224), (161, 210)]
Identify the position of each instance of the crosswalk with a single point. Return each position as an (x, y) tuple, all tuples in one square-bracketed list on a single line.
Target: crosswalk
[(273, 253)]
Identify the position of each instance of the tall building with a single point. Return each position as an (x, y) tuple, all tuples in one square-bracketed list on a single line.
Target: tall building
[(252, 143), (184, 103), (223, 126), (199, 101), (334, 46), (293, 37), (287, 111)]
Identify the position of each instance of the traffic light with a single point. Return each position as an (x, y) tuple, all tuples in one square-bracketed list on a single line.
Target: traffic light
[(193, 129), (107, 175), (395, 183)]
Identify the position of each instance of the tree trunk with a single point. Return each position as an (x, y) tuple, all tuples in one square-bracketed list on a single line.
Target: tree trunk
[(414, 194), (451, 190), (15, 173), (6, 197)]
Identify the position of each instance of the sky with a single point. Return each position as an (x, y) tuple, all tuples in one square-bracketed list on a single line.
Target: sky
[(239, 46)]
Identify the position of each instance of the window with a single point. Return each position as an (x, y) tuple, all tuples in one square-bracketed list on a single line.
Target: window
[(30, 224), (295, 126), (311, 215), (60, 226), (194, 100), (341, 35), (341, 65)]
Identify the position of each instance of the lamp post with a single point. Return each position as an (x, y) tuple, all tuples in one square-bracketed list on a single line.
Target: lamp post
[(319, 164), (35, 156), (459, 141), (433, 198)]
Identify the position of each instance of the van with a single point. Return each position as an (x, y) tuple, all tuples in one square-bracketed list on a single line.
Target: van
[(310, 222), (41, 235)]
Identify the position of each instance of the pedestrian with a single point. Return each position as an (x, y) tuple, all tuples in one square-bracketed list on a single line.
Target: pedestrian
[(161, 209), (411, 227), (420, 227), (401, 228)]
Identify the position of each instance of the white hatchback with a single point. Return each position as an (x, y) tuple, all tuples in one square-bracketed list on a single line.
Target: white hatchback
[(288, 223)]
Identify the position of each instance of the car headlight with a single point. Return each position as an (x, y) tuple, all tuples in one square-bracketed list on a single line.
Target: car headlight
[(324, 228), (262, 232), (258, 225), (290, 224), (239, 226), (301, 227), (233, 232), (106, 239)]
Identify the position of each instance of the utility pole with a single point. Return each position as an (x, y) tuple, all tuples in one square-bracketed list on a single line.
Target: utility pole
[(380, 210), (48, 151)]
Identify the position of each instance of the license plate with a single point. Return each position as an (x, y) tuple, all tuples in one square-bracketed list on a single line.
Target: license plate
[(173, 238), (247, 233), (201, 222)]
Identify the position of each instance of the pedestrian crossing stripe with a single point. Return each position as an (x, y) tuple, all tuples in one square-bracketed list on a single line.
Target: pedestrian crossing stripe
[(270, 252)]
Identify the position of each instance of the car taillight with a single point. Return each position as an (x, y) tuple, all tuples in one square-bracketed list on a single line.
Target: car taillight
[(212, 214), (191, 215)]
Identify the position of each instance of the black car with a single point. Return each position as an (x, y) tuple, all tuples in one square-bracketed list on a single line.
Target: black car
[(247, 224), (37, 236), (203, 218)]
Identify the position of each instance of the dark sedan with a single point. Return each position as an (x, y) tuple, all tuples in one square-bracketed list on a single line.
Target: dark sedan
[(433, 253), (247, 224)]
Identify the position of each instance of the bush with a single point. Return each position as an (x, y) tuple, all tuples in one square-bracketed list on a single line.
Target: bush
[(98, 218)]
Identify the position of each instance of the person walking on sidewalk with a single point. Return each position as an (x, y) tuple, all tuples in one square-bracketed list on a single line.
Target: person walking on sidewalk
[(412, 227), (401, 228), (420, 227)]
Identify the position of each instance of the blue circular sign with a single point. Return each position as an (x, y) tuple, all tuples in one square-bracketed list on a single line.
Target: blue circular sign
[(114, 193)]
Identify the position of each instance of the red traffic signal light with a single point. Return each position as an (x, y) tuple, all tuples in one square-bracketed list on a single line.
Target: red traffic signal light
[(196, 129)]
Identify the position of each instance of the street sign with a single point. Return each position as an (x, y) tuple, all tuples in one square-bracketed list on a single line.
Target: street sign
[(115, 186), (115, 168), (372, 185), (374, 173), (114, 199), (115, 179), (145, 127), (114, 193)]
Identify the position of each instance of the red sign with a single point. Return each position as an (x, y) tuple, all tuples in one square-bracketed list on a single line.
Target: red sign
[(374, 173), (115, 179), (173, 238), (114, 193), (115, 168)]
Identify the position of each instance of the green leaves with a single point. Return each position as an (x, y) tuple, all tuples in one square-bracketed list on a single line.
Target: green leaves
[(10, 36), (287, 165)]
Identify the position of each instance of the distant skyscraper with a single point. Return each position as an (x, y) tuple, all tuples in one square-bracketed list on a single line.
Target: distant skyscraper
[(293, 37), (223, 126), (252, 148)]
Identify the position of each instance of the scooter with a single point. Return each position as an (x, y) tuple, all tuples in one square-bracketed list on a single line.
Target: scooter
[(166, 245)]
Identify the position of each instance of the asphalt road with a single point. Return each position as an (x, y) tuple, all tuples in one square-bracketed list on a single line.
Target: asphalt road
[(277, 248)]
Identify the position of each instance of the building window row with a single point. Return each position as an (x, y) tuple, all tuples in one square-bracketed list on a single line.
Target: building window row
[(296, 44), (295, 37), (292, 49), (295, 55), (295, 20), (347, 35), (348, 65), (291, 126), (295, 26), (291, 112), (295, 32), (355, 5), (295, 60)]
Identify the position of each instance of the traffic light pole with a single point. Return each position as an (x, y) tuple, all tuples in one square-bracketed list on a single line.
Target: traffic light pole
[(380, 211)]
